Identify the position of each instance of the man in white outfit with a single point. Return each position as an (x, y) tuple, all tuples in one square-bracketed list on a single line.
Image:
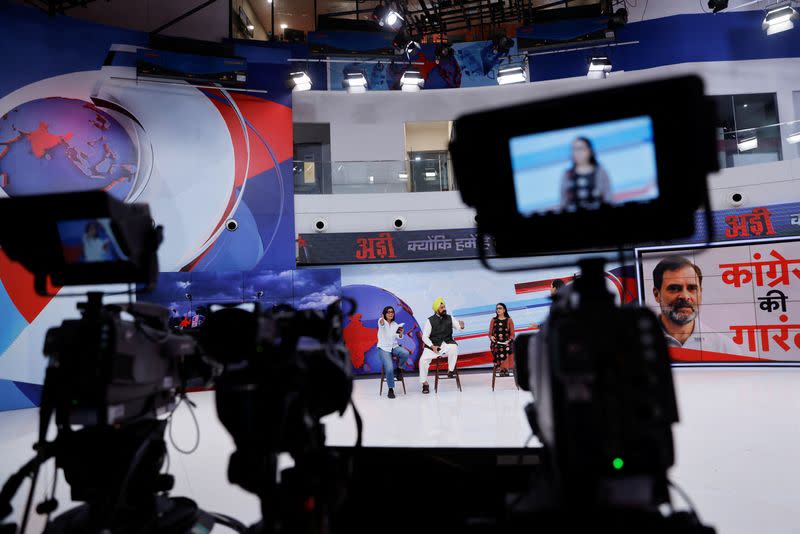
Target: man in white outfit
[(437, 335)]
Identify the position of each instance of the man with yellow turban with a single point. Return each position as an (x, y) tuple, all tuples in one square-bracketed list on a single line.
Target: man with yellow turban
[(437, 335)]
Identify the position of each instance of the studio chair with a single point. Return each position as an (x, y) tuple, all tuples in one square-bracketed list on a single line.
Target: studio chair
[(440, 365), (402, 378), (512, 373)]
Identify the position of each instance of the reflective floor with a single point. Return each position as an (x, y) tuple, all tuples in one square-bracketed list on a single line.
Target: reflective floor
[(736, 443)]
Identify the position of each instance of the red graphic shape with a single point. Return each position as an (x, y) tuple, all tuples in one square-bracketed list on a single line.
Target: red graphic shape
[(682, 355), (42, 140), (19, 285), (359, 339)]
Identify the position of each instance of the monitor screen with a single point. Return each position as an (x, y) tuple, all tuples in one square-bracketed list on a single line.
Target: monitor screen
[(585, 167), (89, 241)]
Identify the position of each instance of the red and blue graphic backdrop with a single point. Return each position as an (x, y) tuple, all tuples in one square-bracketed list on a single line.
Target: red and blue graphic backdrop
[(73, 116)]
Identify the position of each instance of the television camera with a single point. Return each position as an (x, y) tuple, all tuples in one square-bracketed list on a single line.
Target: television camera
[(117, 371), (599, 170)]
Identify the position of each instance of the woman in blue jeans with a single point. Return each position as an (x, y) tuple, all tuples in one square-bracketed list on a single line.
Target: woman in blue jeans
[(389, 334)]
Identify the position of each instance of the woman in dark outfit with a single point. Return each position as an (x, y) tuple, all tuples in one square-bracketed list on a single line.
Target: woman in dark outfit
[(501, 333), (586, 184)]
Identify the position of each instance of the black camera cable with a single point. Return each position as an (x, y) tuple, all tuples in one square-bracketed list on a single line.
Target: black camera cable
[(686, 499)]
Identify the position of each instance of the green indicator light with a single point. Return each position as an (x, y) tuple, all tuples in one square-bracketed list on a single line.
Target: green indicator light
[(617, 463)]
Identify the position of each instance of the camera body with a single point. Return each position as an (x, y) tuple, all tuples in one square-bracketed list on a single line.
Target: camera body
[(283, 370), (86, 238), (604, 397), (594, 171), (110, 369)]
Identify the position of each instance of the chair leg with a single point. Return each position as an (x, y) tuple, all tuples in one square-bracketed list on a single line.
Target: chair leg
[(458, 379), (403, 380), (436, 381), (383, 375), (494, 375)]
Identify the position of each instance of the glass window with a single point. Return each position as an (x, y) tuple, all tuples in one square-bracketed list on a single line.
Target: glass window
[(747, 130)]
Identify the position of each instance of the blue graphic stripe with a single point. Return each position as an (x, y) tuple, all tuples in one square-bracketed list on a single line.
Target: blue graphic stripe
[(11, 398), (13, 323), (490, 309), (527, 151)]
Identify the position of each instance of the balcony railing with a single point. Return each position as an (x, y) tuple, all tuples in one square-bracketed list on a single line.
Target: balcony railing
[(421, 173)]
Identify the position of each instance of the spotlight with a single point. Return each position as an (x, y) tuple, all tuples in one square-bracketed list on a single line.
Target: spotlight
[(717, 5), (748, 144), (250, 27), (284, 26), (399, 223), (736, 199), (385, 16), (403, 44), (411, 81), (502, 44), (231, 225), (511, 74), (443, 51), (779, 19), (793, 139), (355, 82), (599, 67), (619, 18), (299, 81)]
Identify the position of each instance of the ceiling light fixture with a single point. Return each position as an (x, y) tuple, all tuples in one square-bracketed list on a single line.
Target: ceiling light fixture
[(779, 19)]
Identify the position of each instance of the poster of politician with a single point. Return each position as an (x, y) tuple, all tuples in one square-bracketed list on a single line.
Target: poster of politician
[(726, 303)]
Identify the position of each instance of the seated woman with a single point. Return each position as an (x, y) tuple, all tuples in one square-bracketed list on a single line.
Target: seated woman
[(389, 334), (501, 334)]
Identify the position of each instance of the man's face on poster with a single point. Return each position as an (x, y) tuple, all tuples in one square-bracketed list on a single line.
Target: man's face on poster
[(680, 295)]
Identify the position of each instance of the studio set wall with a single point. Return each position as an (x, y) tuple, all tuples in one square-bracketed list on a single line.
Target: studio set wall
[(213, 164)]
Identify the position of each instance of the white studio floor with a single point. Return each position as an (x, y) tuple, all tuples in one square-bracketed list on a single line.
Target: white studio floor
[(736, 443)]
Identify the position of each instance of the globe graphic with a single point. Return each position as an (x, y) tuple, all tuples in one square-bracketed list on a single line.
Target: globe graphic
[(361, 328), (58, 144)]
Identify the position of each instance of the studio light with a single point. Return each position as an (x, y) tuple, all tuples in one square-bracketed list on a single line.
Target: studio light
[(250, 27), (779, 19), (411, 81), (299, 81), (502, 44), (748, 144), (793, 139), (284, 26), (717, 5), (599, 67), (512, 74), (443, 51), (403, 44), (386, 16), (355, 82)]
